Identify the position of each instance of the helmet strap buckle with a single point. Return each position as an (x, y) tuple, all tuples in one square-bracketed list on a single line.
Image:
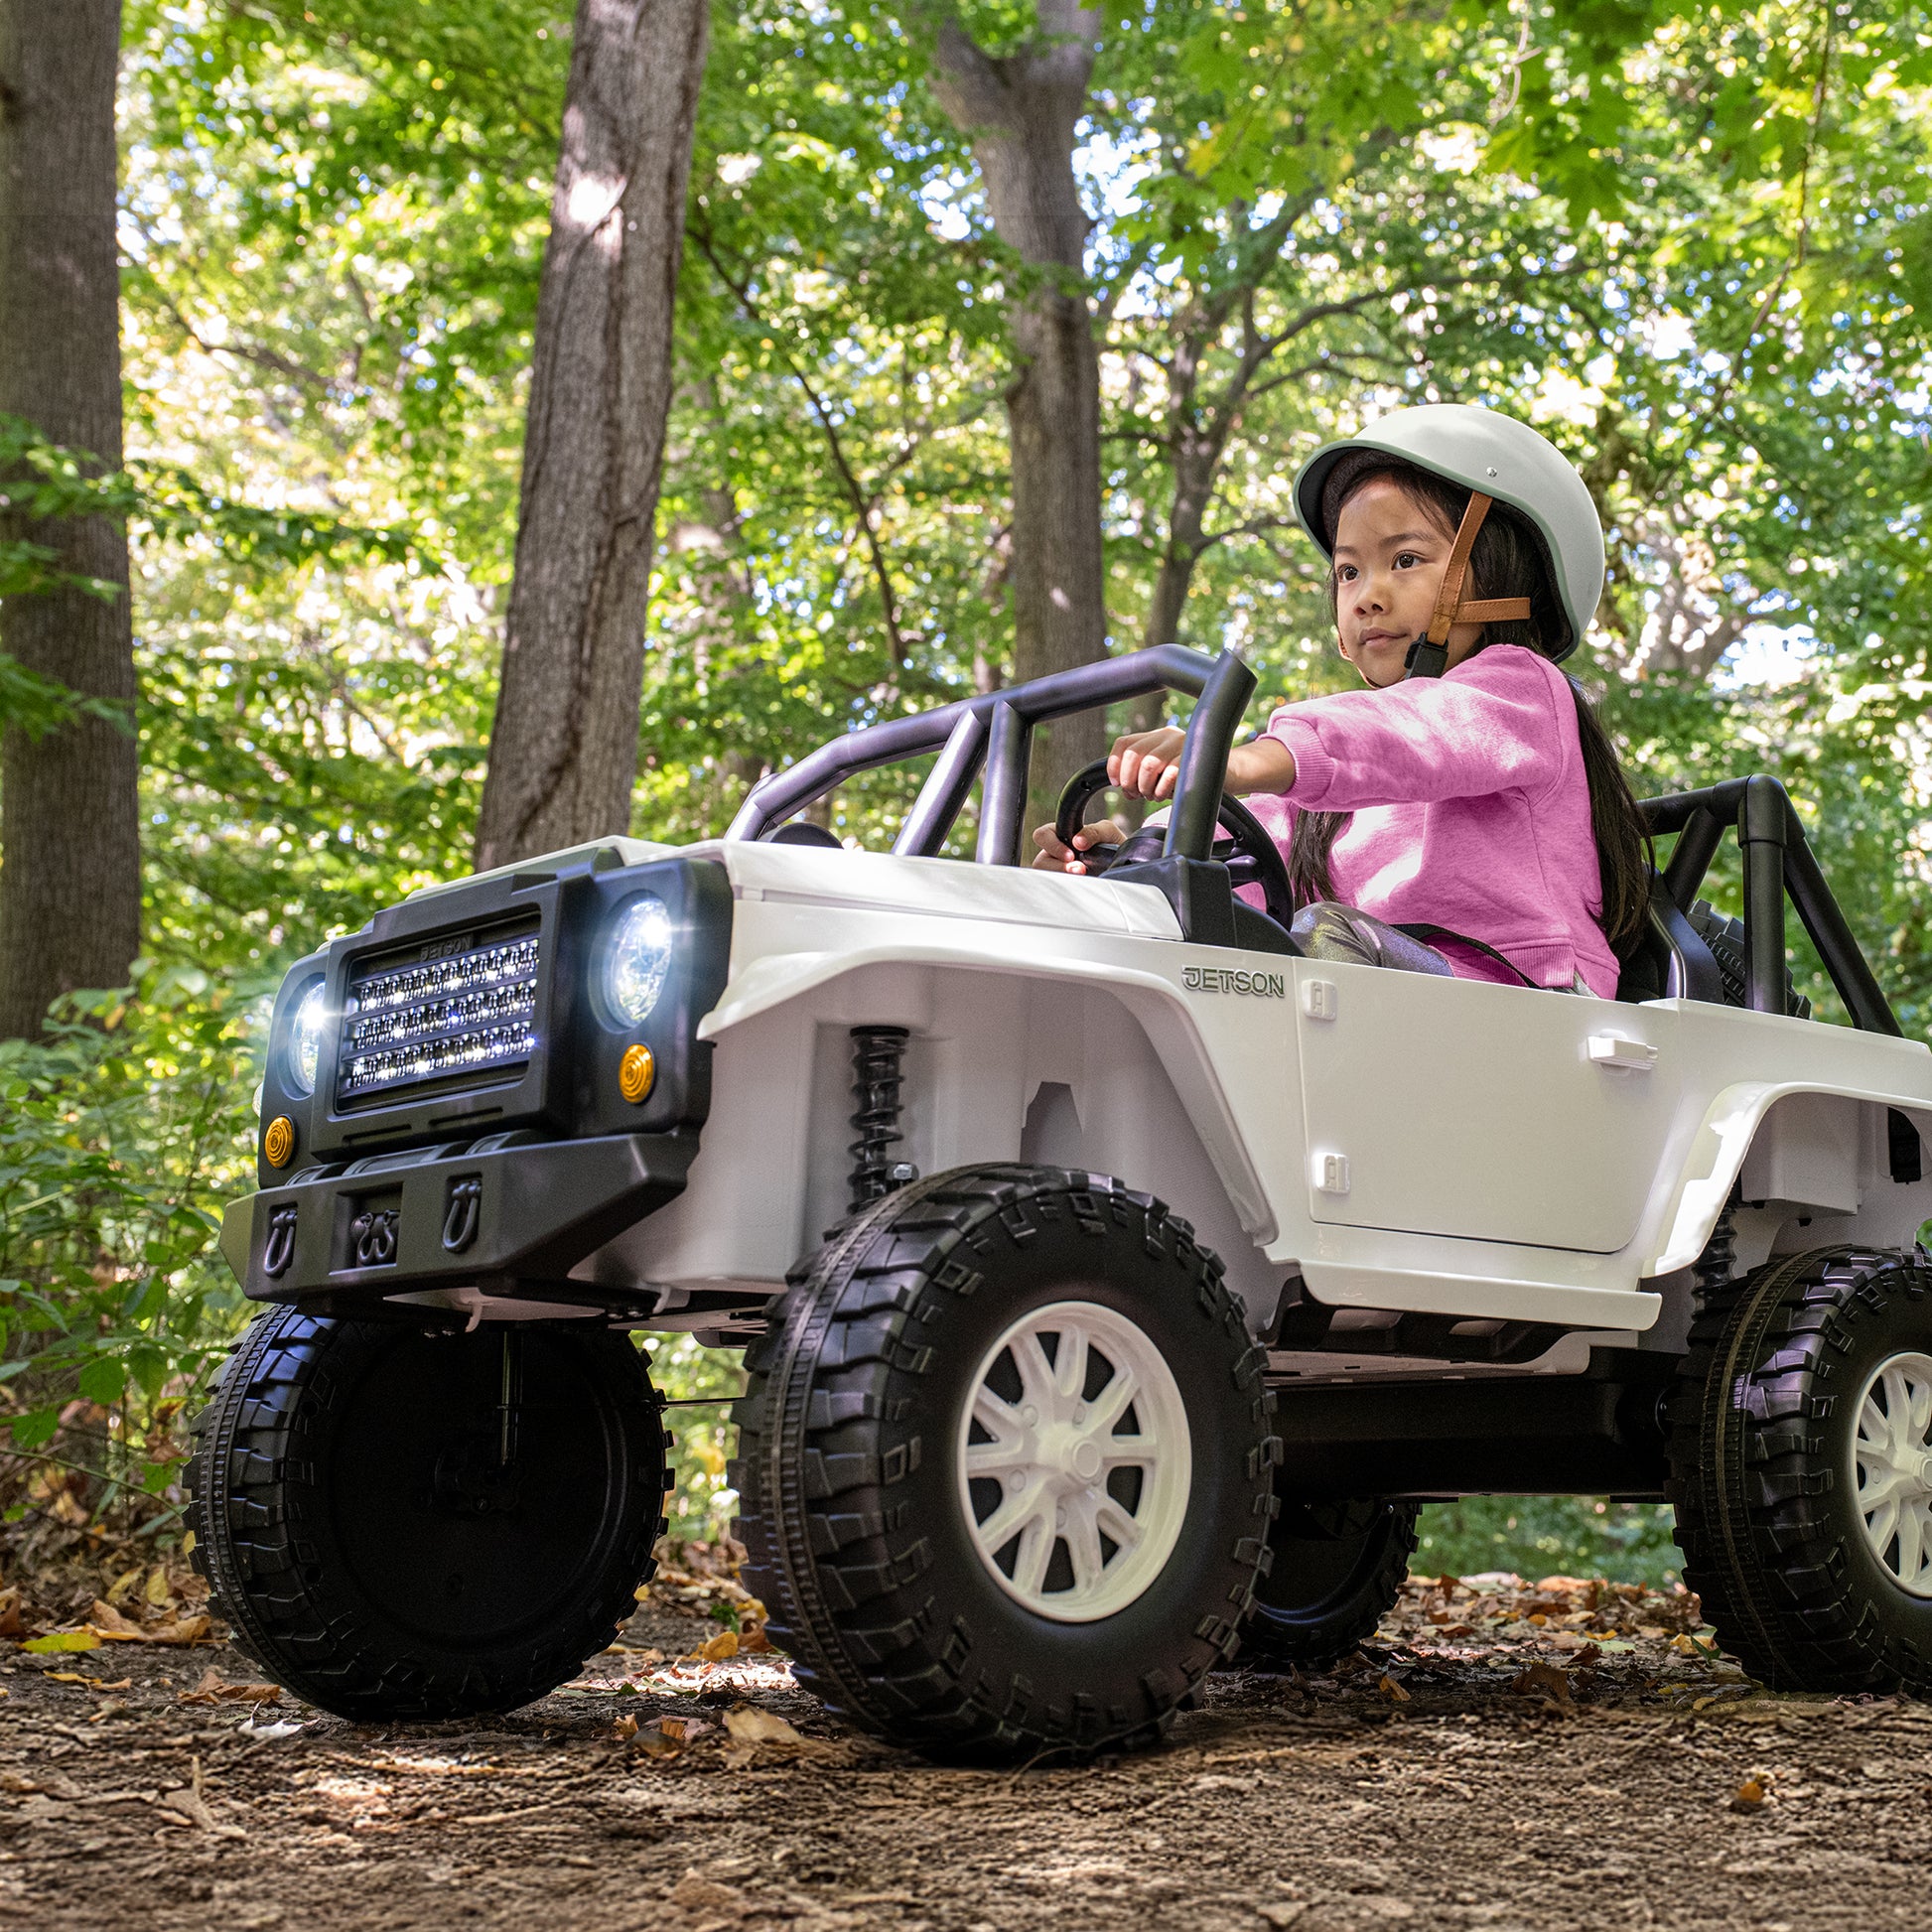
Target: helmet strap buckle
[(1426, 659)]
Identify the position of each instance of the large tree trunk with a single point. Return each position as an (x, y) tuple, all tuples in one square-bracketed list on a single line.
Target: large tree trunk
[(1020, 113), (69, 828), (564, 746)]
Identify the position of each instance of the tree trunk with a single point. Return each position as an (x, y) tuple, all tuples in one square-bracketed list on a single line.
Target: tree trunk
[(69, 825), (564, 745), (1020, 113)]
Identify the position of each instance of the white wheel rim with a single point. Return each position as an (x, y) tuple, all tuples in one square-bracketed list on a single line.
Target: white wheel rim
[(1894, 1466), (1074, 1461)]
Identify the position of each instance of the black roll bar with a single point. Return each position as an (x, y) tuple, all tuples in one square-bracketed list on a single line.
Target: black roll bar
[(996, 730), (1777, 861)]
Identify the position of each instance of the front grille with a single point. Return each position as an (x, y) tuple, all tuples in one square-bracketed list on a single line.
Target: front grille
[(470, 1010)]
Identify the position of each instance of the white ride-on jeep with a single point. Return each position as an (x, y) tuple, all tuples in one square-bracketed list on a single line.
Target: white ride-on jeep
[(1156, 1278)]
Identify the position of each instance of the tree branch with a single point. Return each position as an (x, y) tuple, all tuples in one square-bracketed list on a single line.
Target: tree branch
[(860, 503)]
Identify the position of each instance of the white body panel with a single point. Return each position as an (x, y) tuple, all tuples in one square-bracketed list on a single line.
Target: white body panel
[(1396, 1141)]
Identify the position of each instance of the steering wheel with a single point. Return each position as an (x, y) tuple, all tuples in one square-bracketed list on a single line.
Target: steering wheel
[(1250, 855)]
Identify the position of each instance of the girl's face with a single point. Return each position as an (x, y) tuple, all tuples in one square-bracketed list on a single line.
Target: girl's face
[(1390, 555)]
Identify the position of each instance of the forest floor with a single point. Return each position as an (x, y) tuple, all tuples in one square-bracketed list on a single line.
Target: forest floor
[(1501, 1756)]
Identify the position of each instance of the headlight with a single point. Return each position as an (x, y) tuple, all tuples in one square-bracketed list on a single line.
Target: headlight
[(302, 1055), (636, 959)]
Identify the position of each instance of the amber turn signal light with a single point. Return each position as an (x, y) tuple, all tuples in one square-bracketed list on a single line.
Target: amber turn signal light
[(637, 1073), (278, 1144)]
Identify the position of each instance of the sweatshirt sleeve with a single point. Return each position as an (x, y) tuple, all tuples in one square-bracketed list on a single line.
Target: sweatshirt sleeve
[(1490, 725)]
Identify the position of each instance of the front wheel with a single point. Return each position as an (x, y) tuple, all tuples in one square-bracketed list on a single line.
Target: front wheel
[(1006, 1465), (408, 1524), (1801, 1453)]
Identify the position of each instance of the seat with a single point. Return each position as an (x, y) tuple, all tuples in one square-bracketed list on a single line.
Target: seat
[(802, 831), (1257, 932), (1668, 960)]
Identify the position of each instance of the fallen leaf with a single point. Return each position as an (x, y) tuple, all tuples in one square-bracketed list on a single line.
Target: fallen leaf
[(666, 1736), (720, 1649), (751, 1726), (1749, 1795), (625, 1728), (215, 1689), (105, 1621), (56, 1641), (1539, 1679), (157, 1592), (110, 1626), (1391, 1690), (184, 1631), (67, 1677)]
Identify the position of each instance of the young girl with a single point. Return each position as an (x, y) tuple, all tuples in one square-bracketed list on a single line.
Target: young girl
[(1468, 793)]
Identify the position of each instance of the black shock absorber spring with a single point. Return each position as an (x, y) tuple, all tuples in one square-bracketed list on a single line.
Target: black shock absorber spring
[(1712, 1271), (877, 1053)]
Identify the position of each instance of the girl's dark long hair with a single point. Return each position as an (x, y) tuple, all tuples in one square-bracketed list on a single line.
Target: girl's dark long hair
[(1510, 559)]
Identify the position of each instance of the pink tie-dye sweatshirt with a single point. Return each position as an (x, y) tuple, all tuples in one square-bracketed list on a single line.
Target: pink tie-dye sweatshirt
[(1468, 808)]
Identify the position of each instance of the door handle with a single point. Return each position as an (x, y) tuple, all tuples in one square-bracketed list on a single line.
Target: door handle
[(1612, 1049)]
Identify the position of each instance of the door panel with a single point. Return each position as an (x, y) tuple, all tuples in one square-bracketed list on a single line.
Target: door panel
[(1439, 1106)]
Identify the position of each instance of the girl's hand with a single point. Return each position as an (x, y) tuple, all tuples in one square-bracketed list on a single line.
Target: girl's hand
[(1053, 856), (1146, 765)]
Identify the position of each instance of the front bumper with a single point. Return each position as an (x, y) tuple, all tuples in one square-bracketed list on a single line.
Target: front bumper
[(500, 1218)]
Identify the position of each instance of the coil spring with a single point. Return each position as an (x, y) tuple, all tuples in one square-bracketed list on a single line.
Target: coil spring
[(877, 1052), (1712, 1271)]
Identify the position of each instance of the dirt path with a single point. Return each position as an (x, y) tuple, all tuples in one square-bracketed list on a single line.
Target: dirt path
[(1507, 1776)]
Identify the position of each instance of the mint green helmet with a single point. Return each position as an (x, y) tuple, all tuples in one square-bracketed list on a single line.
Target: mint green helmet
[(1497, 455)]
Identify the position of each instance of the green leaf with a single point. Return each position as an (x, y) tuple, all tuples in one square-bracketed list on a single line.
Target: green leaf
[(103, 1379), (57, 1641), (36, 1427)]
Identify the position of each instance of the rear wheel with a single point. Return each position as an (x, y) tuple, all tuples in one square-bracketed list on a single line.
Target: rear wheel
[(1801, 1453), (411, 1524), (1338, 1570), (1006, 1465)]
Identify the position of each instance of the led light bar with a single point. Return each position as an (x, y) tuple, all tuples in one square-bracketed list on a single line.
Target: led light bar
[(508, 961), (474, 1009)]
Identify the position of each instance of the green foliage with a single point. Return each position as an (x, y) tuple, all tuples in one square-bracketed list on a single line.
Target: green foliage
[(1543, 1536), (702, 1383), (121, 1134)]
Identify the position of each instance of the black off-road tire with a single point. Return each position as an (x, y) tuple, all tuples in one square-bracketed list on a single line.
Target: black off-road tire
[(861, 1544), (352, 1528), (1337, 1572), (1764, 1478), (1728, 946)]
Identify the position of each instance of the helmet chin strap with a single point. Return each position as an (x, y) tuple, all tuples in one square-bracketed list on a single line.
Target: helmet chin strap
[(1428, 655)]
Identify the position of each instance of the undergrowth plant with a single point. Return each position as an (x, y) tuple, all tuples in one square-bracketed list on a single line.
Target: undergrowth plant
[(122, 1131)]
